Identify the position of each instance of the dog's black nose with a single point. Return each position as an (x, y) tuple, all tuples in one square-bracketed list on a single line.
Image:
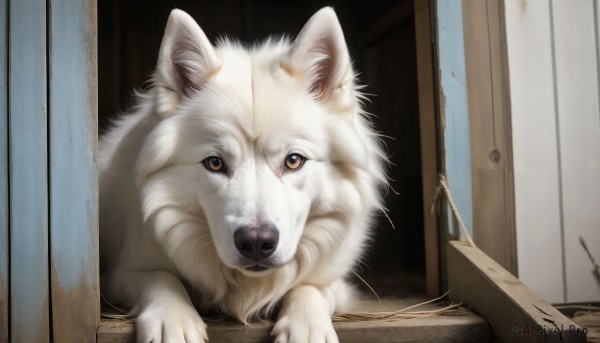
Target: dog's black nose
[(256, 243)]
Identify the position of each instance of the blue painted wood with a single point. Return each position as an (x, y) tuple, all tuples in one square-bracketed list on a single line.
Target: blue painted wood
[(73, 170), (455, 107), (28, 172), (4, 171)]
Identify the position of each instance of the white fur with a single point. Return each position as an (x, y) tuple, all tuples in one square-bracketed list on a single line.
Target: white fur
[(167, 223)]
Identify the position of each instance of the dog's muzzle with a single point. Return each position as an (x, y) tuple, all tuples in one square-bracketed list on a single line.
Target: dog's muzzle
[(256, 244)]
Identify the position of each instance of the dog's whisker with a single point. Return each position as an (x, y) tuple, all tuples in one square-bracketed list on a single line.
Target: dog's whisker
[(367, 284), (385, 211)]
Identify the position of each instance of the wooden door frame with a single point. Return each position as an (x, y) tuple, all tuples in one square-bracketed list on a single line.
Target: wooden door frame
[(430, 145), (514, 311), (491, 178), (488, 87), (75, 293)]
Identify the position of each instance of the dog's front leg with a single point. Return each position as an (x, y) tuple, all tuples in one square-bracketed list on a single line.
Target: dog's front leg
[(305, 316), (163, 307)]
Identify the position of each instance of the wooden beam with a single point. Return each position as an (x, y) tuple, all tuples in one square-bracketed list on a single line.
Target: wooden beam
[(4, 209), (73, 141), (28, 169), (514, 311), (491, 131), (429, 143)]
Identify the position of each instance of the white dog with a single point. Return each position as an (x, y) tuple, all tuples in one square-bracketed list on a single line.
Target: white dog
[(246, 178)]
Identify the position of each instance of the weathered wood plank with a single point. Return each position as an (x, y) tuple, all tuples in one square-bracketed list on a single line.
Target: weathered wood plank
[(429, 143), (538, 210), (514, 311), (454, 110), (4, 258), (462, 328), (491, 148), (73, 170), (578, 123), (28, 172)]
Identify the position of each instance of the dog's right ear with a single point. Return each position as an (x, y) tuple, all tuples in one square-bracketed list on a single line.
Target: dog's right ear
[(185, 61)]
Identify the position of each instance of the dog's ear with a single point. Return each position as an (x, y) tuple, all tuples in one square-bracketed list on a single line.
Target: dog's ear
[(185, 61), (321, 55)]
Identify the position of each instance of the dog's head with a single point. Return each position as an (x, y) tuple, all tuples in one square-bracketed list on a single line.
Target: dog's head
[(250, 144)]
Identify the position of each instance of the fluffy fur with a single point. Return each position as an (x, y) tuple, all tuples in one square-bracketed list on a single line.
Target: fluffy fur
[(168, 223)]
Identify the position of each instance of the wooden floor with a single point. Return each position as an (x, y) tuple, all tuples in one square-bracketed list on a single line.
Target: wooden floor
[(464, 327)]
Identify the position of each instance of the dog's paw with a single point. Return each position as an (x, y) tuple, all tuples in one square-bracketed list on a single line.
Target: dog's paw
[(172, 324), (302, 329)]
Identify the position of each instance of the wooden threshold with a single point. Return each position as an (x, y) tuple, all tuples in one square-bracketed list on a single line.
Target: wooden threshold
[(465, 327)]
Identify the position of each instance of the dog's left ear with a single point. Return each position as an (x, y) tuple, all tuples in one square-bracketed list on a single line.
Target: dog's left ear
[(185, 62), (321, 55)]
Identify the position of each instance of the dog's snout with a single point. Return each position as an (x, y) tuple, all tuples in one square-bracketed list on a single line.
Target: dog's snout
[(256, 243)]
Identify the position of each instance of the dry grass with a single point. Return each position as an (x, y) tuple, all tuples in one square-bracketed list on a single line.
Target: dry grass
[(591, 321), (409, 312), (586, 316), (118, 316)]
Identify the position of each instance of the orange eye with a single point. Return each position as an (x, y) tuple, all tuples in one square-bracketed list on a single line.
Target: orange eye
[(214, 164), (294, 161)]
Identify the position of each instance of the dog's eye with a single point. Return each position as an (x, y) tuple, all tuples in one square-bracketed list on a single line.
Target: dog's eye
[(294, 161), (214, 164)]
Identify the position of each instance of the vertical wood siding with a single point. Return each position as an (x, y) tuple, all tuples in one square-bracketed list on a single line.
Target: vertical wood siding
[(578, 126), (4, 281), (553, 65), (537, 212), (48, 171), (73, 141), (28, 172)]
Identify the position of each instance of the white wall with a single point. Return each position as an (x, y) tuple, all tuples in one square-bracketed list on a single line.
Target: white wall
[(553, 56)]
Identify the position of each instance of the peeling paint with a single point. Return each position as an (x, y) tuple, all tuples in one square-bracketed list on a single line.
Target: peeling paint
[(442, 103), (75, 311), (32, 329), (3, 312)]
